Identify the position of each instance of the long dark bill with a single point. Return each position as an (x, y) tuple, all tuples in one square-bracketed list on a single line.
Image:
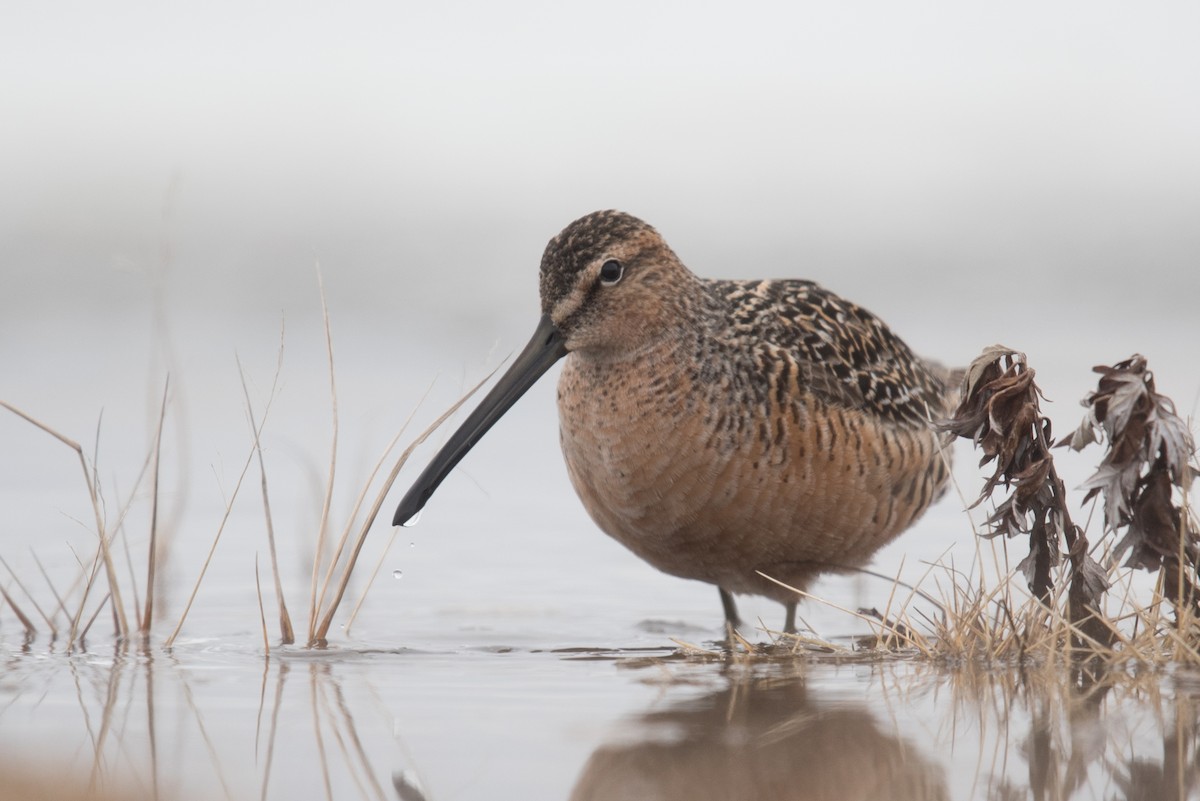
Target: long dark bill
[(543, 350)]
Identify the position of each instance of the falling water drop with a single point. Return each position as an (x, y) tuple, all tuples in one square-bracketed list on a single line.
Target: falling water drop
[(396, 574), (412, 521)]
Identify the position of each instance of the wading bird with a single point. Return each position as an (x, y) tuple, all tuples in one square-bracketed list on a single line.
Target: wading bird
[(724, 431)]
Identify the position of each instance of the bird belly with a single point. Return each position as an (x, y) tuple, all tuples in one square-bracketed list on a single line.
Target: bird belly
[(705, 486)]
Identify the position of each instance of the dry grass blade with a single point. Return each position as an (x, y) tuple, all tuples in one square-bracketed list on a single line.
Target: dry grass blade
[(127, 552), (216, 537), (90, 577), (62, 607), (905, 634), (262, 612), (81, 635), (325, 506), (697, 650), (358, 503), (118, 528), (322, 631), (362, 596), (32, 600), (286, 632), (152, 557), (30, 629)]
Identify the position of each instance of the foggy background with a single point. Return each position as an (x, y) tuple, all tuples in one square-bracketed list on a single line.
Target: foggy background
[(171, 177), (425, 152)]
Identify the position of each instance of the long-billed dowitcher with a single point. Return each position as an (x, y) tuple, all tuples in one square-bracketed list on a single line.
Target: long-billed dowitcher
[(721, 430)]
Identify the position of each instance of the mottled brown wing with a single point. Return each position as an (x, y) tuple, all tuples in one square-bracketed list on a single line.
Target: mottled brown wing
[(845, 355)]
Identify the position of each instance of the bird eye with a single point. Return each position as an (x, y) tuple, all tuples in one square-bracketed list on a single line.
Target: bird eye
[(611, 272)]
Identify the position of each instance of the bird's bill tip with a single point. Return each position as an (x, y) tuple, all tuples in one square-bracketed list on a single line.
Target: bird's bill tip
[(544, 349)]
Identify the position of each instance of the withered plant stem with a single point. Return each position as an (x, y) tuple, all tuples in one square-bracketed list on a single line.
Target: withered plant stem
[(30, 629), (358, 506), (325, 506), (151, 558), (262, 612), (29, 595), (62, 607), (216, 540), (322, 630), (118, 529), (286, 633), (358, 502), (83, 632)]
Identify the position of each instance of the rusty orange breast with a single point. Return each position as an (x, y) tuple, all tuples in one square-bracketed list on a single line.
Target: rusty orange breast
[(708, 483)]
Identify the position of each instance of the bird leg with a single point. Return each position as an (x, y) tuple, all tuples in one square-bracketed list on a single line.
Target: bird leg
[(732, 621), (789, 618)]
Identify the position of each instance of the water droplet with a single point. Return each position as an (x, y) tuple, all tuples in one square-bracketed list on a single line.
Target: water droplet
[(396, 574), (412, 545), (412, 521)]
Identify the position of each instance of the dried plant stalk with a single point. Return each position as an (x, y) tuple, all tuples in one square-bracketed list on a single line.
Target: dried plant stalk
[(321, 631), (237, 488), (287, 634), (152, 559), (1001, 414), (30, 629), (1148, 463), (17, 580), (323, 528)]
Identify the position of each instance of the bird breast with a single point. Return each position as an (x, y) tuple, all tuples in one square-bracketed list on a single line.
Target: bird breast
[(715, 466)]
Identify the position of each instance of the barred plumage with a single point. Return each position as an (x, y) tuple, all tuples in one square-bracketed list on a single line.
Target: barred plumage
[(722, 430)]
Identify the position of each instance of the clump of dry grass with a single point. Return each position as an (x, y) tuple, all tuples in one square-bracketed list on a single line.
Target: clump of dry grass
[(79, 621), (332, 567)]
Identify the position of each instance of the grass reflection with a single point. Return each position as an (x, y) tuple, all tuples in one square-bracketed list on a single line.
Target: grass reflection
[(334, 726)]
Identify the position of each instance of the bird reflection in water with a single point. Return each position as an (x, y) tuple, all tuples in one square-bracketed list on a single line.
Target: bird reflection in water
[(762, 738)]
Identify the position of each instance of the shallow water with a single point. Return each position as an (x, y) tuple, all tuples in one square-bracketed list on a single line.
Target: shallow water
[(213, 720)]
